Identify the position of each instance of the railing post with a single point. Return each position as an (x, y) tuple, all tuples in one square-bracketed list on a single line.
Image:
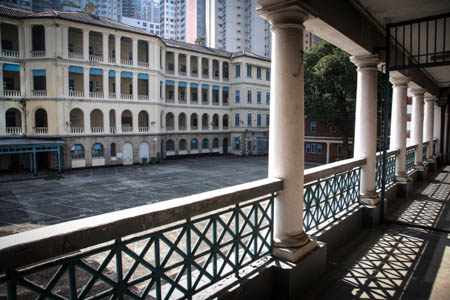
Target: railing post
[(286, 154), (365, 142)]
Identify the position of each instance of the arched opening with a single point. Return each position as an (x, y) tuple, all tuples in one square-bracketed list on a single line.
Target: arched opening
[(143, 53), (40, 120), (194, 121), (205, 119), (13, 121), (76, 121), (182, 121), (225, 122), (216, 143), (170, 146), (95, 46), (182, 145), (127, 121), (170, 122), (97, 151), (10, 40), (205, 144), (215, 121), (97, 121), (77, 151), (75, 43), (144, 153), (194, 144), (143, 121)]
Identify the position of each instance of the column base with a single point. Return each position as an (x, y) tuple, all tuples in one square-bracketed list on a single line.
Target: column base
[(370, 199), (422, 172), (405, 188), (294, 254), (371, 203)]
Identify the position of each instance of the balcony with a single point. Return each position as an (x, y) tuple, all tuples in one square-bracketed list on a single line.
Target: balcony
[(10, 53), (126, 97), (112, 60), (113, 129), (14, 131), (97, 129), (126, 62), (143, 129), (143, 64), (76, 94), (39, 53), (96, 58), (76, 130), (40, 130), (143, 97), (39, 93), (170, 128), (127, 129), (112, 95), (11, 93), (96, 95), (75, 55)]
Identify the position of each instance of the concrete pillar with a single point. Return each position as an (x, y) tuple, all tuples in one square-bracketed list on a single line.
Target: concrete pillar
[(429, 124), (220, 95), (27, 39), (188, 65), (210, 94), (365, 141), (220, 70), (106, 126), (210, 69), (417, 125), (59, 38), (86, 44), (50, 38), (105, 44), (66, 81), (117, 49), (118, 87), (445, 134), (65, 41), (199, 66), (437, 129), (175, 63), (22, 37), (118, 121), (134, 49), (175, 91), (105, 83), (286, 154), (134, 82), (23, 82), (86, 82), (398, 124), (188, 93)]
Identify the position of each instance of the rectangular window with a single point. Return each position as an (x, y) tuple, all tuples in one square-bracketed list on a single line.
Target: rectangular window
[(267, 74), (267, 98), (267, 120), (238, 70), (258, 97), (339, 150), (258, 73), (319, 148), (249, 120), (313, 148), (236, 120), (249, 146), (238, 96), (308, 148), (249, 71), (313, 126), (194, 96), (249, 96), (91, 86), (258, 120), (332, 129)]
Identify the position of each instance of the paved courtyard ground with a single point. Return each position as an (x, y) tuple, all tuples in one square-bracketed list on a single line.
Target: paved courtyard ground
[(27, 204)]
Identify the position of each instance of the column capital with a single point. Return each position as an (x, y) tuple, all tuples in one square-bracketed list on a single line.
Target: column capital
[(286, 13), (417, 91), (365, 61), (430, 98), (399, 81)]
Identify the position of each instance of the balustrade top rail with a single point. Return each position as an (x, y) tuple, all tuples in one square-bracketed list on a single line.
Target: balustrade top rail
[(32, 246), (411, 147), (333, 168), (390, 152)]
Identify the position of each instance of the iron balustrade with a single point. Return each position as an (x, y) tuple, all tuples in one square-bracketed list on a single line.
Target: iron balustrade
[(391, 159), (425, 152), (330, 191), (410, 158), (204, 238)]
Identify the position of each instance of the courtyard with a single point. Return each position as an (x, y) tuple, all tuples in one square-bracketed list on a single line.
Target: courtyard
[(32, 203)]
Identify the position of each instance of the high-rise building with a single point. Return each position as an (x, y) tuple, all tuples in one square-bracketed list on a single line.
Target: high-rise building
[(150, 11), (43, 5), (110, 9), (129, 8), (235, 26), (183, 20), (22, 4)]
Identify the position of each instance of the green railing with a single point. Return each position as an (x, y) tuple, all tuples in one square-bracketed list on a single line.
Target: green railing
[(127, 255), (330, 191), (390, 168), (410, 158), (425, 152)]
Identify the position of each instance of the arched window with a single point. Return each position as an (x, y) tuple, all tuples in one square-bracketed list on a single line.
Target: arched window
[(205, 144), (182, 145), (97, 150), (216, 143), (77, 151), (40, 118), (113, 150), (170, 145), (194, 144)]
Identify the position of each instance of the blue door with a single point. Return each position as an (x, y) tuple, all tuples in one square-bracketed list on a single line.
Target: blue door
[(259, 146)]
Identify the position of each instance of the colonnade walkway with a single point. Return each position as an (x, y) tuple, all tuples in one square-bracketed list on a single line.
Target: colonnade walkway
[(407, 257)]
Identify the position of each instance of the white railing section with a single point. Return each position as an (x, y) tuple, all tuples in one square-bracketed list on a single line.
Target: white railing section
[(39, 93), (78, 94), (127, 129), (112, 95), (11, 93), (126, 96), (96, 58), (76, 130), (143, 128), (75, 55), (143, 97), (40, 53), (143, 64), (10, 53), (170, 128), (14, 130), (112, 129), (126, 62), (112, 60), (95, 95), (97, 129), (40, 130)]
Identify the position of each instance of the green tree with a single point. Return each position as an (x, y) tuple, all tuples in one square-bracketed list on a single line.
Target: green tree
[(330, 88)]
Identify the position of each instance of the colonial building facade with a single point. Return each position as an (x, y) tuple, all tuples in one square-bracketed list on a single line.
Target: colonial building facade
[(115, 94)]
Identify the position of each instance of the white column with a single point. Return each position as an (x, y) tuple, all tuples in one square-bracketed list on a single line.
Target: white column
[(210, 69), (188, 93), (220, 70), (417, 125), (105, 83), (398, 124), (49, 40), (175, 63), (220, 95), (86, 82), (117, 49), (86, 44), (22, 38), (27, 39), (105, 44), (188, 65), (65, 41), (199, 67), (175, 91), (429, 124), (328, 153), (59, 41), (134, 82), (106, 121), (365, 141), (134, 46), (286, 143), (437, 129), (210, 94), (445, 134), (118, 90), (118, 120)]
